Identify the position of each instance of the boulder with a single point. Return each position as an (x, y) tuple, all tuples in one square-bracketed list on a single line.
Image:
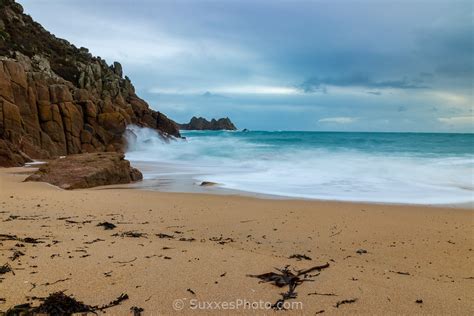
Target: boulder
[(11, 156), (208, 184), (87, 170)]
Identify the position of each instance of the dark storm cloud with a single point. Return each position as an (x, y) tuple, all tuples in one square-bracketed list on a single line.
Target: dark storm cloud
[(359, 80)]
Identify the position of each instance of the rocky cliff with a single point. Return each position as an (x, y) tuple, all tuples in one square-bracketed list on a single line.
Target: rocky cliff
[(57, 99), (202, 124)]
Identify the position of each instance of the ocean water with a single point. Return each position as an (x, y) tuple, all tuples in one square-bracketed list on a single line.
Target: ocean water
[(414, 168)]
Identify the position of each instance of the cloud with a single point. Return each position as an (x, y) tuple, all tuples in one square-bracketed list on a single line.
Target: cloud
[(458, 120), (256, 89), (374, 92), (448, 44), (233, 90), (237, 59), (315, 84), (338, 120), (140, 42), (454, 99)]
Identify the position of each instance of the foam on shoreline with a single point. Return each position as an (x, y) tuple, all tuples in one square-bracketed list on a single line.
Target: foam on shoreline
[(243, 163)]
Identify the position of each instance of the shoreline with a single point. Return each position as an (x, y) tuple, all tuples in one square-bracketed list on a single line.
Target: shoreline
[(181, 178), (220, 191), (186, 184), (412, 252)]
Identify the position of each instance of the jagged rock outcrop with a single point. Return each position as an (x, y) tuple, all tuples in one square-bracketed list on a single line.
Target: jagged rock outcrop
[(56, 99), (202, 124), (87, 170)]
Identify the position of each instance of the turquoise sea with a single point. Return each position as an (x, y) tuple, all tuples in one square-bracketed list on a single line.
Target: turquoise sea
[(415, 168)]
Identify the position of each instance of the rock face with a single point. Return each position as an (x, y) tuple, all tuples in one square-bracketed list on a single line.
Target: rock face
[(11, 156), (87, 170), (56, 99), (203, 124)]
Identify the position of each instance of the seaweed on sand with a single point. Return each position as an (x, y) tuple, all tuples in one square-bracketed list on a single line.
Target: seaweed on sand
[(286, 277), (59, 303), (107, 225), (6, 268)]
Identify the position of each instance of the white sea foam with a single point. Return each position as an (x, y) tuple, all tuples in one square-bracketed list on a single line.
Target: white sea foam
[(317, 173)]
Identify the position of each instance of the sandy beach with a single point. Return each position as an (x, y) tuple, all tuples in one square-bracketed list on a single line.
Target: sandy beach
[(199, 249)]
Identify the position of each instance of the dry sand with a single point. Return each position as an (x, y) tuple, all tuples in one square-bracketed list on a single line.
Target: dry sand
[(413, 253)]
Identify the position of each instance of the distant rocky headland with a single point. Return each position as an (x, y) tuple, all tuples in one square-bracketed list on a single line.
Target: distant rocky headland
[(200, 123), (57, 99)]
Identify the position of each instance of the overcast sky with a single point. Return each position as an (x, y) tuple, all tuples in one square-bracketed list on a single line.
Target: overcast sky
[(286, 65)]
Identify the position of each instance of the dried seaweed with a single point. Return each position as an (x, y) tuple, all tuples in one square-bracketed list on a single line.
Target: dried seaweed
[(6, 268), (131, 234), (107, 225), (93, 241), (299, 257), (55, 304), (286, 277), (221, 240), (28, 240), (187, 239), (16, 254), (115, 302), (349, 301), (400, 272), (8, 237), (19, 310), (59, 303), (76, 222), (55, 282), (137, 311), (161, 235), (322, 294)]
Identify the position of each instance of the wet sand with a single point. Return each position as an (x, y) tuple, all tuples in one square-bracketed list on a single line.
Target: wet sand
[(200, 249)]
